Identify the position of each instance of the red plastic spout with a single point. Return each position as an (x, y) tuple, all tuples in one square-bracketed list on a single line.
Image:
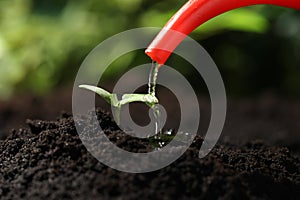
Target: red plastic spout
[(193, 14)]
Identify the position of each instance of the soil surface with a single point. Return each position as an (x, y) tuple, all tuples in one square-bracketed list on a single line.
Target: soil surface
[(268, 117), (46, 159)]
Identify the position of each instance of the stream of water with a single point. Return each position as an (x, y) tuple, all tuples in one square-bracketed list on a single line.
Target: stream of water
[(151, 90)]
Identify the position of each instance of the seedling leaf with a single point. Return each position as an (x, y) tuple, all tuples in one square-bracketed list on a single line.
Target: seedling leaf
[(110, 98), (149, 99)]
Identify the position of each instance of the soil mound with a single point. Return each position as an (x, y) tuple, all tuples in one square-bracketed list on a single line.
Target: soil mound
[(48, 160)]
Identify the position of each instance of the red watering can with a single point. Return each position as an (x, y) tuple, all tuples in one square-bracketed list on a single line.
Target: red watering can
[(193, 14)]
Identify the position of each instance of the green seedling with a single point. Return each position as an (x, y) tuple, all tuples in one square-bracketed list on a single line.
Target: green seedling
[(149, 99), (112, 99)]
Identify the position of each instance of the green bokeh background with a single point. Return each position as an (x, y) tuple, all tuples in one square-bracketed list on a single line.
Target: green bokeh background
[(42, 43)]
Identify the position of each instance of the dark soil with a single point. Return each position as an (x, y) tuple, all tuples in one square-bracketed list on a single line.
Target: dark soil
[(48, 161), (268, 117), (15, 111)]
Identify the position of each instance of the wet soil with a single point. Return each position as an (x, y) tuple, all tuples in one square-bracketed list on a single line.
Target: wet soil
[(48, 160)]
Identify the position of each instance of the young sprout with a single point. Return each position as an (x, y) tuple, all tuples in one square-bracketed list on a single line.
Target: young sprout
[(111, 98), (149, 99)]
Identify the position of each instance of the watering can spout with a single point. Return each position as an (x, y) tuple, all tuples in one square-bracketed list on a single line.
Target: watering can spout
[(193, 14)]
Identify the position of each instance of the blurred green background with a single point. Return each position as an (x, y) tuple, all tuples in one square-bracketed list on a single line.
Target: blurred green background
[(42, 43)]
